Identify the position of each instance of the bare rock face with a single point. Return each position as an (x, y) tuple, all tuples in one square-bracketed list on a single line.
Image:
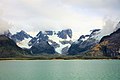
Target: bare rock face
[(109, 45), (112, 48)]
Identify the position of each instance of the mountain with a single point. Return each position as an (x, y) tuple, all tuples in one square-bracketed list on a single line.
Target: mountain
[(19, 36), (39, 37), (109, 45), (42, 47), (64, 34), (22, 39), (112, 48), (84, 43), (39, 44), (57, 39), (8, 48)]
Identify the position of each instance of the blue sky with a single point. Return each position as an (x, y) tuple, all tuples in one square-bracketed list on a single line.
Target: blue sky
[(79, 15)]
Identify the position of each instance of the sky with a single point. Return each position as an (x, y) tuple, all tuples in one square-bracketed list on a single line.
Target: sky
[(79, 15)]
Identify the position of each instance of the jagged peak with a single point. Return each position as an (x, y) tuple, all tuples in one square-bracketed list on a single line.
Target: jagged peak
[(19, 36), (22, 31)]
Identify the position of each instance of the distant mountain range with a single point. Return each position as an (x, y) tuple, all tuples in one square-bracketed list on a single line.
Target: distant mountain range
[(54, 42), (58, 41)]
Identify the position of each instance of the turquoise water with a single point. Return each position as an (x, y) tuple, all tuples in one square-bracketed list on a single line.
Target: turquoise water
[(60, 70)]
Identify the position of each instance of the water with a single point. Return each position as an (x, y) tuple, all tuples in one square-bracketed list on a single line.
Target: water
[(60, 70)]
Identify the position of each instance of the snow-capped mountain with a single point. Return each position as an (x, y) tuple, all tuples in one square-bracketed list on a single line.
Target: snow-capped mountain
[(61, 41), (22, 39), (84, 43), (94, 34), (58, 39)]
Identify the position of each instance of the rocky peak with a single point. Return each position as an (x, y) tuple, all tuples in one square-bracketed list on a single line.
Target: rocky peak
[(94, 32), (64, 34), (42, 36), (49, 33), (19, 36)]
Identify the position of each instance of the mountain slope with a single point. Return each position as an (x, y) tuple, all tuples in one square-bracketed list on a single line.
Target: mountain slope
[(22, 39), (8, 48), (19, 36), (109, 45), (112, 48), (84, 43), (42, 47)]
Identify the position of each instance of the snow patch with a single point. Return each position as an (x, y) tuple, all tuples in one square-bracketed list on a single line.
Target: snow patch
[(56, 39), (59, 49), (84, 39), (24, 43)]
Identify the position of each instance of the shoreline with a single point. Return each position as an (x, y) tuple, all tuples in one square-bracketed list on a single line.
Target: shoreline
[(7, 59), (59, 57)]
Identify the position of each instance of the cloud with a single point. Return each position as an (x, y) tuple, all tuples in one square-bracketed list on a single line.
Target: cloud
[(79, 15), (4, 26), (108, 28), (95, 4)]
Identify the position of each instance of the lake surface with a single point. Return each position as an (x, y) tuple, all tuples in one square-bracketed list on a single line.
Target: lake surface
[(60, 70)]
